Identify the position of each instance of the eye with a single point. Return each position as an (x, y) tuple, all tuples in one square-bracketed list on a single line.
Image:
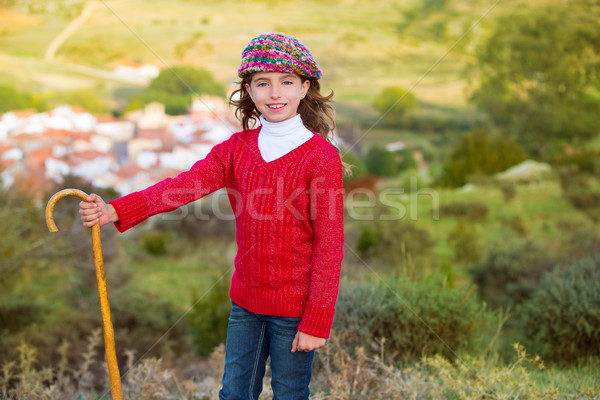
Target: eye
[(261, 84), (288, 82)]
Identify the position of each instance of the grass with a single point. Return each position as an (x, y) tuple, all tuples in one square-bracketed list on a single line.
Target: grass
[(175, 280)]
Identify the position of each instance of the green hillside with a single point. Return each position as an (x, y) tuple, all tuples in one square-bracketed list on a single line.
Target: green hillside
[(361, 45)]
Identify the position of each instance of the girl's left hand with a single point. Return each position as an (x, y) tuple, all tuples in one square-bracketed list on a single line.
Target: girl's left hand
[(305, 342)]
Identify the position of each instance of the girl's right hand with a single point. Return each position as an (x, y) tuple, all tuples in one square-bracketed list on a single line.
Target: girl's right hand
[(94, 210)]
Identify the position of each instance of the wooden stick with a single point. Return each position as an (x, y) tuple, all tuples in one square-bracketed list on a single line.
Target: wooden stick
[(109, 336)]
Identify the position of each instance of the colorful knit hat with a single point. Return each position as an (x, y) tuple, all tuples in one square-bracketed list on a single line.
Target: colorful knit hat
[(278, 52)]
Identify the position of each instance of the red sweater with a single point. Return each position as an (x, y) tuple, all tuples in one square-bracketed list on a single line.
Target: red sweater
[(289, 223)]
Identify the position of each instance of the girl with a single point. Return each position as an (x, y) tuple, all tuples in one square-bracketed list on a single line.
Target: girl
[(284, 183)]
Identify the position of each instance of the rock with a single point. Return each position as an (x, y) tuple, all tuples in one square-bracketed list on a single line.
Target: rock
[(526, 171)]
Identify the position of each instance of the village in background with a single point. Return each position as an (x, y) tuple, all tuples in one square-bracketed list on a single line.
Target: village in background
[(38, 149)]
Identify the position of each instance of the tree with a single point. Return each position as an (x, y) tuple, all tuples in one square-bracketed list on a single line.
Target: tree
[(186, 81), (87, 98), (12, 100), (480, 153), (394, 102), (174, 88), (381, 162), (539, 74)]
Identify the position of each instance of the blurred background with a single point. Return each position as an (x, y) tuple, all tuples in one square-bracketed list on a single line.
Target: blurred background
[(472, 254)]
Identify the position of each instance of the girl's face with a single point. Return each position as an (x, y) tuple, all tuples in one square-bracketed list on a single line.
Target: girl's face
[(277, 95)]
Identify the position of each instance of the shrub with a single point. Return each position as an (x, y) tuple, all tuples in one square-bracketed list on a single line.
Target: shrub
[(175, 86), (147, 325), (509, 190), (480, 153), (579, 245), (356, 164), (381, 162), (464, 242), (156, 242), (579, 192), (12, 99), (561, 321), (367, 241), (474, 211), (516, 224), (508, 277), (582, 160), (392, 241), (394, 102), (407, 160), (207, 321), (416, 319)]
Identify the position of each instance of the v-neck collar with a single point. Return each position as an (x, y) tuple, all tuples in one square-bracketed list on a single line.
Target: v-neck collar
[(284, 159)]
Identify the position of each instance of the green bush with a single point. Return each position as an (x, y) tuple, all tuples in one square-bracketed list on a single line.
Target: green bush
[(509, 190), (464, 241), (474, 211), (156, 242), (147, 325), (367, 241), (356, 164), (394, 102), (579, 190), (207, 321), (509, 276), (89, 99), (416, 319), (516, 224), (561, 320), (582, 160), (391, 241), (480, 153), (174, 87), (186, 80), (381, 162), (12, 99)]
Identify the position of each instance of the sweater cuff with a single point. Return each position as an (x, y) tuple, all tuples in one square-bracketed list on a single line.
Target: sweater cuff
[(317, 320), (131, 210)]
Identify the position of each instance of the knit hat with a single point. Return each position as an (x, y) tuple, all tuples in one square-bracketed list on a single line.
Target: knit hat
[(278, 52)]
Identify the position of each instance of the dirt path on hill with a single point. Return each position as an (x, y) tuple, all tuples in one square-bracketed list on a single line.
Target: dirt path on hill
[(86, 12)]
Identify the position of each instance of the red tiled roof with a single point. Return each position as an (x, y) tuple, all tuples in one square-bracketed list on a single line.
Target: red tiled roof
[(89, 155), (77, 109), (36, 158), (24, 113), (107, 118), (129, 171)]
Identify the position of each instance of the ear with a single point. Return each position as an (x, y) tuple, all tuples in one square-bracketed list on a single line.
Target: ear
[(249, 90), (305, 86)]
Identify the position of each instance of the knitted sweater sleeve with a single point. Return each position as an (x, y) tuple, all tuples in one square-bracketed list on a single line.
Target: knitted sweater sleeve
[(327, 216), (205, 176)]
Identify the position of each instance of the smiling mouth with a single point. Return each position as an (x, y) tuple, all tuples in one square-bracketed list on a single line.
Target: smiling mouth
[(276, 106)]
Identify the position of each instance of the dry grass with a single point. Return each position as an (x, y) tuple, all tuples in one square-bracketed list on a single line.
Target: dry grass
[(339, 376)]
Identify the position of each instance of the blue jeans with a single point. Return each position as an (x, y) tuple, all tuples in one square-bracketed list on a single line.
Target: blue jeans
[(251, 338)]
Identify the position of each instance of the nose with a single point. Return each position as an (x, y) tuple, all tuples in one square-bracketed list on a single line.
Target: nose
[(275, 94)]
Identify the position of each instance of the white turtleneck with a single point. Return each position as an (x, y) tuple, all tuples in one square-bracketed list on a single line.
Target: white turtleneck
[(276, 139)]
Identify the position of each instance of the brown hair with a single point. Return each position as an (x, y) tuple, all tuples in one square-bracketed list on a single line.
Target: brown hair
[(316, 112)]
